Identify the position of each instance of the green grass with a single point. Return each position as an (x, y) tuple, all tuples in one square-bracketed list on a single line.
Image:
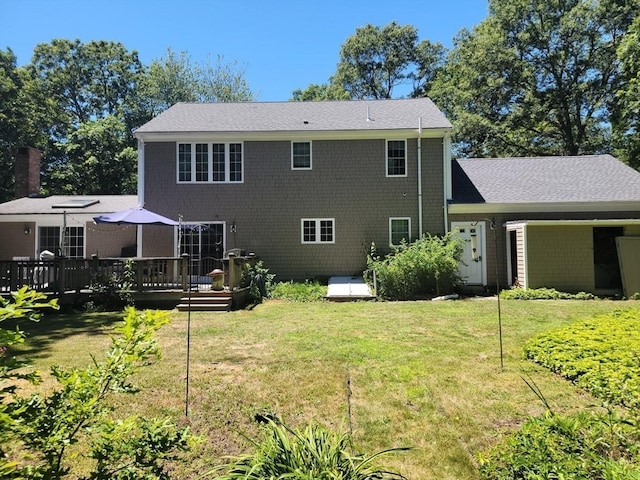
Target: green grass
[(423, 374)]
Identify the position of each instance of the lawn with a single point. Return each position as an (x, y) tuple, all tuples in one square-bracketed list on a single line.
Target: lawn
[(422, 374)]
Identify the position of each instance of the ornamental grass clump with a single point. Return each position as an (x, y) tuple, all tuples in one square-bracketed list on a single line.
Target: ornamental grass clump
[(313, 453)]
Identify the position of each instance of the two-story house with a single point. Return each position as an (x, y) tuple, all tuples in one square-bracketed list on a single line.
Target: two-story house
[(306, 186), (310, 186)]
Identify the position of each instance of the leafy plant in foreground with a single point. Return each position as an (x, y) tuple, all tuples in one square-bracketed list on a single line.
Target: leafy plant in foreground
[(314, 453), (42, 435)]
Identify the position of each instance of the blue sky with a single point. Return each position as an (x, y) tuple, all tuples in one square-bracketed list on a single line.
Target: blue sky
[(281, 45)]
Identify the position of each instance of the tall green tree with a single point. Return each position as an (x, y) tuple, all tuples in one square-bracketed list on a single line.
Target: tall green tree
[(177, 78), (536, 77), (23, 118), (92, 87), (321, 92), (627, 120), (380, 62), (87, 80), (98, 159)]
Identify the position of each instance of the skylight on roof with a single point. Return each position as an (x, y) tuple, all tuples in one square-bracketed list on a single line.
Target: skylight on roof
[(76, 203)]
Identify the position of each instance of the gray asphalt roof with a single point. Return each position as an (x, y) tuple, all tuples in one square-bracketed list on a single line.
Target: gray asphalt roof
[(587, 178), (44, 205), (298, 116)]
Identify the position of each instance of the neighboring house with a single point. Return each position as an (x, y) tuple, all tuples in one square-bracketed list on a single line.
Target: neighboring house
[(63, 224), (555, 219), (306, 186)]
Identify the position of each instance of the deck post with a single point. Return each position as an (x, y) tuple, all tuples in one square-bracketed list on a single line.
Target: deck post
[(62, 270), (139, 275), (13, 276), (232, 270)]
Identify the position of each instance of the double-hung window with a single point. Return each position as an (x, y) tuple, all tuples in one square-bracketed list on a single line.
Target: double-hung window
[(318, 230), (396, 158), (210, 163), (399, 230), (301, 156)]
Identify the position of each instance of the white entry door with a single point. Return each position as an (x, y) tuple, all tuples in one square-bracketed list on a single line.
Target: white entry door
[(472, 267)]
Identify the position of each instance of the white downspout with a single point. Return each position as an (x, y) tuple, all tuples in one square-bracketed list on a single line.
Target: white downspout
[(140, 193), (420, 231), (446, 178)]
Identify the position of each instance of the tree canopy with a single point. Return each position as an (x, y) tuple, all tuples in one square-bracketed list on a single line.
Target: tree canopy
[(535, 77)]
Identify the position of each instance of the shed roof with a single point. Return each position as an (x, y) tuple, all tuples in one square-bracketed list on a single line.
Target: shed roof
[(585, 178), (56, 204), (352, 115)]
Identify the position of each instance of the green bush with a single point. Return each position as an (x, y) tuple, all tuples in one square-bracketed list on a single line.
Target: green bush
[(582, 446), (308, 291), (601, 355), (427, 266), (259, 281), (543, 294), (41, 437), (314, 453), (113, 292)]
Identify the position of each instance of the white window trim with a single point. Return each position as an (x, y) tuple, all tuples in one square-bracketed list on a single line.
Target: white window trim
[(317, 222), (310, 167), (386, 157), (227, 162), (391, 219)]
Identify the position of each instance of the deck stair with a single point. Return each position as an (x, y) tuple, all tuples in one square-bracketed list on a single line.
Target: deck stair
[(206, 301)]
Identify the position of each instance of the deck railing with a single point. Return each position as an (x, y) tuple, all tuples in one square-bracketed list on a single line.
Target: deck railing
[(63, 275)]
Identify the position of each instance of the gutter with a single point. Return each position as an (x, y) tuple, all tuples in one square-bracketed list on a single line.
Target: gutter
[(420, 177)]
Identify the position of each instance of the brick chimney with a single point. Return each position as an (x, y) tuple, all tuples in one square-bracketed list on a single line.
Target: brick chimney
[(27, 171)]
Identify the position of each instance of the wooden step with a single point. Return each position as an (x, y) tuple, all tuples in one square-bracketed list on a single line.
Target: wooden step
[(206, 301)]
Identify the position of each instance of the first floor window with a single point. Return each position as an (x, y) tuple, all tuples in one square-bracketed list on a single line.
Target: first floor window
[(70, 245), (210, 163), (396, 158), (399, 230), (318, 230), (301, 155)]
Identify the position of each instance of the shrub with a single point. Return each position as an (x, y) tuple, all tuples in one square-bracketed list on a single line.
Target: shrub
[(43, 434), (309, 291), (601, 355), (585, 445), (543, 294), (314, 453), (113, 292), (427, 266), (259, 281)]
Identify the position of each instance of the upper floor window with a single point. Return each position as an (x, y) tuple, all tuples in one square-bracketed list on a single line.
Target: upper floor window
[(210, 162), (318, 230), (301, 156), (396, 158), (399, 230)]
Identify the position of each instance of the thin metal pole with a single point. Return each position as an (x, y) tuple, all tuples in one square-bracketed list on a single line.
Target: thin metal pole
[(186, 400), (495, 241)]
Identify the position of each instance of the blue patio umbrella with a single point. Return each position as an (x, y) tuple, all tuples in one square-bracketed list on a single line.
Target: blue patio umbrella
[(135, 216)]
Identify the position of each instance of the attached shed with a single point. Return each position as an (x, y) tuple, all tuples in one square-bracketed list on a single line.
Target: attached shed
[(546, 221)]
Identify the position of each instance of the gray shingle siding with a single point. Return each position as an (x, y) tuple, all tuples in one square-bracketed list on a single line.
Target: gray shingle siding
[(347, 182)]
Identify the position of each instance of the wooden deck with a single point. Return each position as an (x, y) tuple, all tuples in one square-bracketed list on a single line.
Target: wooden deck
[(161, 282)]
